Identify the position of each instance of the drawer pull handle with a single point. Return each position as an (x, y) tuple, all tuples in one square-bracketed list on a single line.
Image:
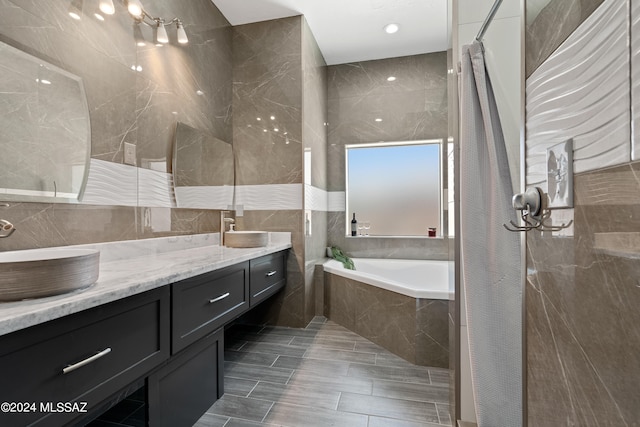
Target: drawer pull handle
[(86, 361), (271, 273), (220, 298)]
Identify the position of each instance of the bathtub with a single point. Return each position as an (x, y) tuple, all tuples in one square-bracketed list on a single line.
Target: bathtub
[(401, 305), (413, 278)]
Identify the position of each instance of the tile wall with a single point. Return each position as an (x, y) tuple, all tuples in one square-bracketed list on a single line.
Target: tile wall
[(414, 107), (582, 333), (414, 329), (279, 133)]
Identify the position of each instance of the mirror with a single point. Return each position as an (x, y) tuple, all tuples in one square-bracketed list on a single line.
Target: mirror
[(45, 132), (203, 170)]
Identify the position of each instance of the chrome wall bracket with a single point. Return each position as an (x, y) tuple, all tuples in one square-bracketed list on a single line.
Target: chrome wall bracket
[(532, 213)]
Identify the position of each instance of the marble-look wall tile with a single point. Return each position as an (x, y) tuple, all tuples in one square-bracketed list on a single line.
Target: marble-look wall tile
[(189, 83), (386, 247), (388, 319), (287, 308), (432, 333), (314, 132), (340, 300), (267, 82), (416, 330), (40, 225), (582, 317), (549, 26), (412, 107)]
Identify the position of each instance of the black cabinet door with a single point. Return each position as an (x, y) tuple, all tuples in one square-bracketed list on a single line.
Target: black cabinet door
[(180, 392), (66, 367)]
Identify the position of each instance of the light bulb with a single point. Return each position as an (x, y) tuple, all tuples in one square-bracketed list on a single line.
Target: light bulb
[(135, 8), (75, 9), (137, 35), (392, 28), (182, 34), (107, 7), (161, 33)]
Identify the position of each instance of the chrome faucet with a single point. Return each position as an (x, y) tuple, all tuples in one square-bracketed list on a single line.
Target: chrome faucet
[(223, 224), (6, 228)]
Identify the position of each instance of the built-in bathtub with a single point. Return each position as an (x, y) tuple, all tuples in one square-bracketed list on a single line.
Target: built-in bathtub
[(401, 305)]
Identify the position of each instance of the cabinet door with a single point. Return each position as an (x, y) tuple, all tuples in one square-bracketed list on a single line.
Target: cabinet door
[(66, 367), (268, 275), (204, 303), (180, 392)]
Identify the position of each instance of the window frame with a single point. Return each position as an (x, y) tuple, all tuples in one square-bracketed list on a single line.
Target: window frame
[(434, 141)]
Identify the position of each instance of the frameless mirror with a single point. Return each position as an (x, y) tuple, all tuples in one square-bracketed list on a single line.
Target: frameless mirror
[(203, 170), (45, 132)]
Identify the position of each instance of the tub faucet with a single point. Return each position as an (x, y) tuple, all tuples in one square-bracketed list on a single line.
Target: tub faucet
[(6, 228), (223, 224)]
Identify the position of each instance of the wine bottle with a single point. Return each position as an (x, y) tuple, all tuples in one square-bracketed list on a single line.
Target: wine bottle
[(354, 225)]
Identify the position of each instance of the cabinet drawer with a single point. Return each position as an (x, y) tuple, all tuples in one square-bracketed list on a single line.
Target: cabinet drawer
[(202, 304), (84, 357), (268, 275)]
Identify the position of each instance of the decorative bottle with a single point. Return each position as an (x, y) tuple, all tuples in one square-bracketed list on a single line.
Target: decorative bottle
[(354, 225)]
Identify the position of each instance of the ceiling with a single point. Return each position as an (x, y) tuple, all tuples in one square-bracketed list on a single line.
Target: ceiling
[(352, 30)]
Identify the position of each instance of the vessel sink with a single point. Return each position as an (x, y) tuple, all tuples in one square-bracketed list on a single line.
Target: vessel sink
[(246, 239), (37, 273)]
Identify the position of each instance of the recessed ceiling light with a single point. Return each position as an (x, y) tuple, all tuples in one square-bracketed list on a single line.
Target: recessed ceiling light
[(378, 119), (391, 28), (391, 79)]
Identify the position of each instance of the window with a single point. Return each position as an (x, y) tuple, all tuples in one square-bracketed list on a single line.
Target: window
[(395, 188)]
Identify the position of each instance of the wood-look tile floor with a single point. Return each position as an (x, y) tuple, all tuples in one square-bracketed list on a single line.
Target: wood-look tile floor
[(323, 375)]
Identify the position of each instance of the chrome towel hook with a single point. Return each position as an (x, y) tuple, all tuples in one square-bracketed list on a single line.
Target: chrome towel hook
[(532, 214)]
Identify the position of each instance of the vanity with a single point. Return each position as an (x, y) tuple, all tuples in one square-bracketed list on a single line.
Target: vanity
[(154, 321)]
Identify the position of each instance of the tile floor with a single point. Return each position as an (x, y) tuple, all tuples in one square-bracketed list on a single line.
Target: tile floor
[(320, 376)]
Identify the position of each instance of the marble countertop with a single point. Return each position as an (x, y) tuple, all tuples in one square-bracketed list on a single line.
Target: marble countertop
[(141, 270)]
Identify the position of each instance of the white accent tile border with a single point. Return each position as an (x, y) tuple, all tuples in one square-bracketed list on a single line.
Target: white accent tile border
[(269, 197), (111, 183), (337, 201), (315, 199), (155, 189), (205, 197), (582, 92)]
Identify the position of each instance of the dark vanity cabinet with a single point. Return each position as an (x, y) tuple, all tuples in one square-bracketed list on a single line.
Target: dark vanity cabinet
[(268, 275), (62, 370), (202, 304), (170, 339)]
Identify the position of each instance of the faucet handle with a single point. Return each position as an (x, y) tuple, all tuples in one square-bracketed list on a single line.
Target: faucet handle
[(6, 228)]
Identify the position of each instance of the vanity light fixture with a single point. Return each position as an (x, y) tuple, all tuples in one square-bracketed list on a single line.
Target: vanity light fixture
[(182, 34), (161, 32), (159, 25), (75, 9), (107, 7), (391, 28), (137, 35), (135, 9), (141, 16)]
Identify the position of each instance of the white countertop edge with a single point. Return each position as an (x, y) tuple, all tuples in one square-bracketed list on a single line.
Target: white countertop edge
[(123, 278)]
